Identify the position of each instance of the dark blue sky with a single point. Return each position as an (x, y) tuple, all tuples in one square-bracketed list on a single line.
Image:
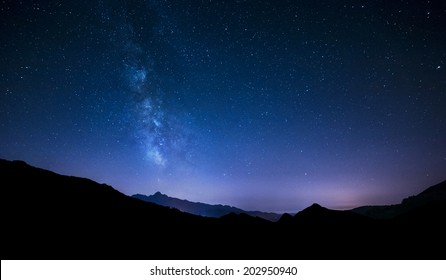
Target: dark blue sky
[(266, 105)]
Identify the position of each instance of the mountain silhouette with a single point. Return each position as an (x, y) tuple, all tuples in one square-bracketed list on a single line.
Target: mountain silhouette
[(436, 193), (52, 216), (47, 213), (203, 209), (317, 216)]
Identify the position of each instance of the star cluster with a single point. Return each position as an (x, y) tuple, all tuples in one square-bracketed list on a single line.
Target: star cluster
[(266, 105)]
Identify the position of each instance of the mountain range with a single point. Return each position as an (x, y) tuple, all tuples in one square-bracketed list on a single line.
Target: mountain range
[(51, 216), (203, 209), (432, 194)]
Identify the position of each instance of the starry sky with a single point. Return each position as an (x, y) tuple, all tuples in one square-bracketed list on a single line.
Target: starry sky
[(264, 105)]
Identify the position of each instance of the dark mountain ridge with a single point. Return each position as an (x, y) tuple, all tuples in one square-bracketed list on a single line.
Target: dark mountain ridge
[(51, 216), (436, 193), (203, 209), (47, 215)]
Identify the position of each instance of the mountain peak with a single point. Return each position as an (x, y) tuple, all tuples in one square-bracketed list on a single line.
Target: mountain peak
[(315, 206), (286, 218), (202, 209), (314, 209)]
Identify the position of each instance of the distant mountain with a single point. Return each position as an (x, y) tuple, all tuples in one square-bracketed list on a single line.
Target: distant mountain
[(316, 216), (430, 195), (332, 232), (203, 209), (50, 216)]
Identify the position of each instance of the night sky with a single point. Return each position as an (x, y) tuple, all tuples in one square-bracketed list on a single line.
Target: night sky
[(263, 105)]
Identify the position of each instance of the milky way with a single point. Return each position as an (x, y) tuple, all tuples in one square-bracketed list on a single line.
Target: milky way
[(268, 105)]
